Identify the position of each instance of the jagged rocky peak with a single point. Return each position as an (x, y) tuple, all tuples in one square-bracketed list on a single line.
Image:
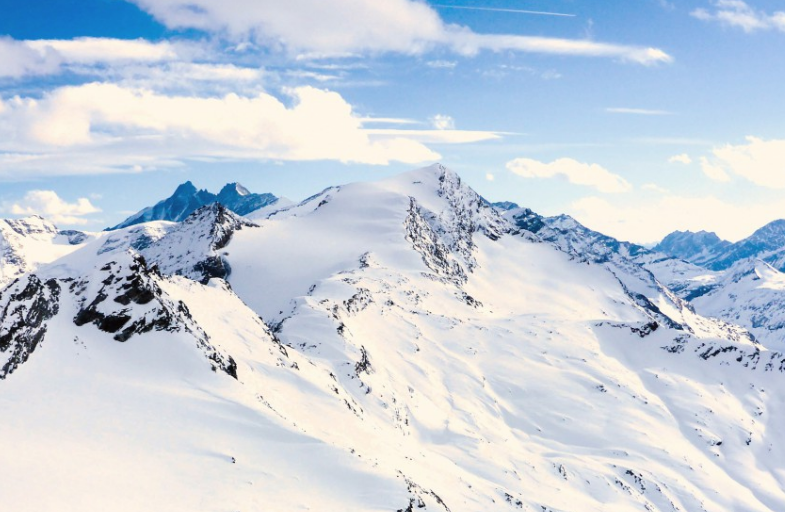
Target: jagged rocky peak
[(453, 212), (191, 248), (694, 247), (235, 188), (124, 298), (221, 221), (241, 201), (186, 199)]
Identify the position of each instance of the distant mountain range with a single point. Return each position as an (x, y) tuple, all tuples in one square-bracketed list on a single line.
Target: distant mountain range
[(187, 199), (709, 251)]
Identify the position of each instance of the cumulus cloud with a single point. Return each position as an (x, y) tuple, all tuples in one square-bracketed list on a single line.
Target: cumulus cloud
[(49, 56), (148, 129), (341, 27), (49, 205), (683, 158), (591, 175), (760, 161), (650, 222), (442, 122), (738, 14)]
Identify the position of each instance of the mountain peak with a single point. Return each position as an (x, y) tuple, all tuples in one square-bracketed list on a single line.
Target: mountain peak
[(186, 199), (185, 189), (234, 189), (694, 247)]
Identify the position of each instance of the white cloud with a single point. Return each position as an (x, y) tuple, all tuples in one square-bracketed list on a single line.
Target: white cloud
[(655, 188), (592, 175), (760, 161), (490, 177), (441, 64), (49, 56), (637, 111), (341, 27), (683, 158), (437, 136), (90, 50), (102, 127), (736, 13), (49, 205), (442, 122), (714, 171), (650, 222)]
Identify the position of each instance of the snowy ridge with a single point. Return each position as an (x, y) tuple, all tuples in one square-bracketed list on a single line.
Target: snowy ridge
[(634, 267)]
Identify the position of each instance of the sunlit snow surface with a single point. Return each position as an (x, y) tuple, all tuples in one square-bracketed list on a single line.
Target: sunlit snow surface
[(417, 350)]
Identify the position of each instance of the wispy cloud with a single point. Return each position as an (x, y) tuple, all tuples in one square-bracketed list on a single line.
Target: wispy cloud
[(637, 111), (578, 173), (349, 27), (441, 64), (50, 56), (655, 188), (736, 13), (496, 9)]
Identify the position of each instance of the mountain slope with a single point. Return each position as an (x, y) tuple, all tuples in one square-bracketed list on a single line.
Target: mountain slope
[(750, 293), (420, 353), (187, 199)]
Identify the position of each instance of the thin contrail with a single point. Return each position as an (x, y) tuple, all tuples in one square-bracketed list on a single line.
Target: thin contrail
[(495, 9)]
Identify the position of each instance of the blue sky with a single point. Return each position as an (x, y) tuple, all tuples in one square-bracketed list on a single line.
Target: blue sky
[(638, 118)]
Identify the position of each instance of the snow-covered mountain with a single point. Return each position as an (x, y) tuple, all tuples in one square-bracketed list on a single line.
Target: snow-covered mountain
[(187, 199), (28, 242), (706, 250), (698, 248), (750, 293), (394, 346)]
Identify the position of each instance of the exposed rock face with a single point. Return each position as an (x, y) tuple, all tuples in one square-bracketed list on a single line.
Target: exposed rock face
[(25, 308), (125, 299)]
